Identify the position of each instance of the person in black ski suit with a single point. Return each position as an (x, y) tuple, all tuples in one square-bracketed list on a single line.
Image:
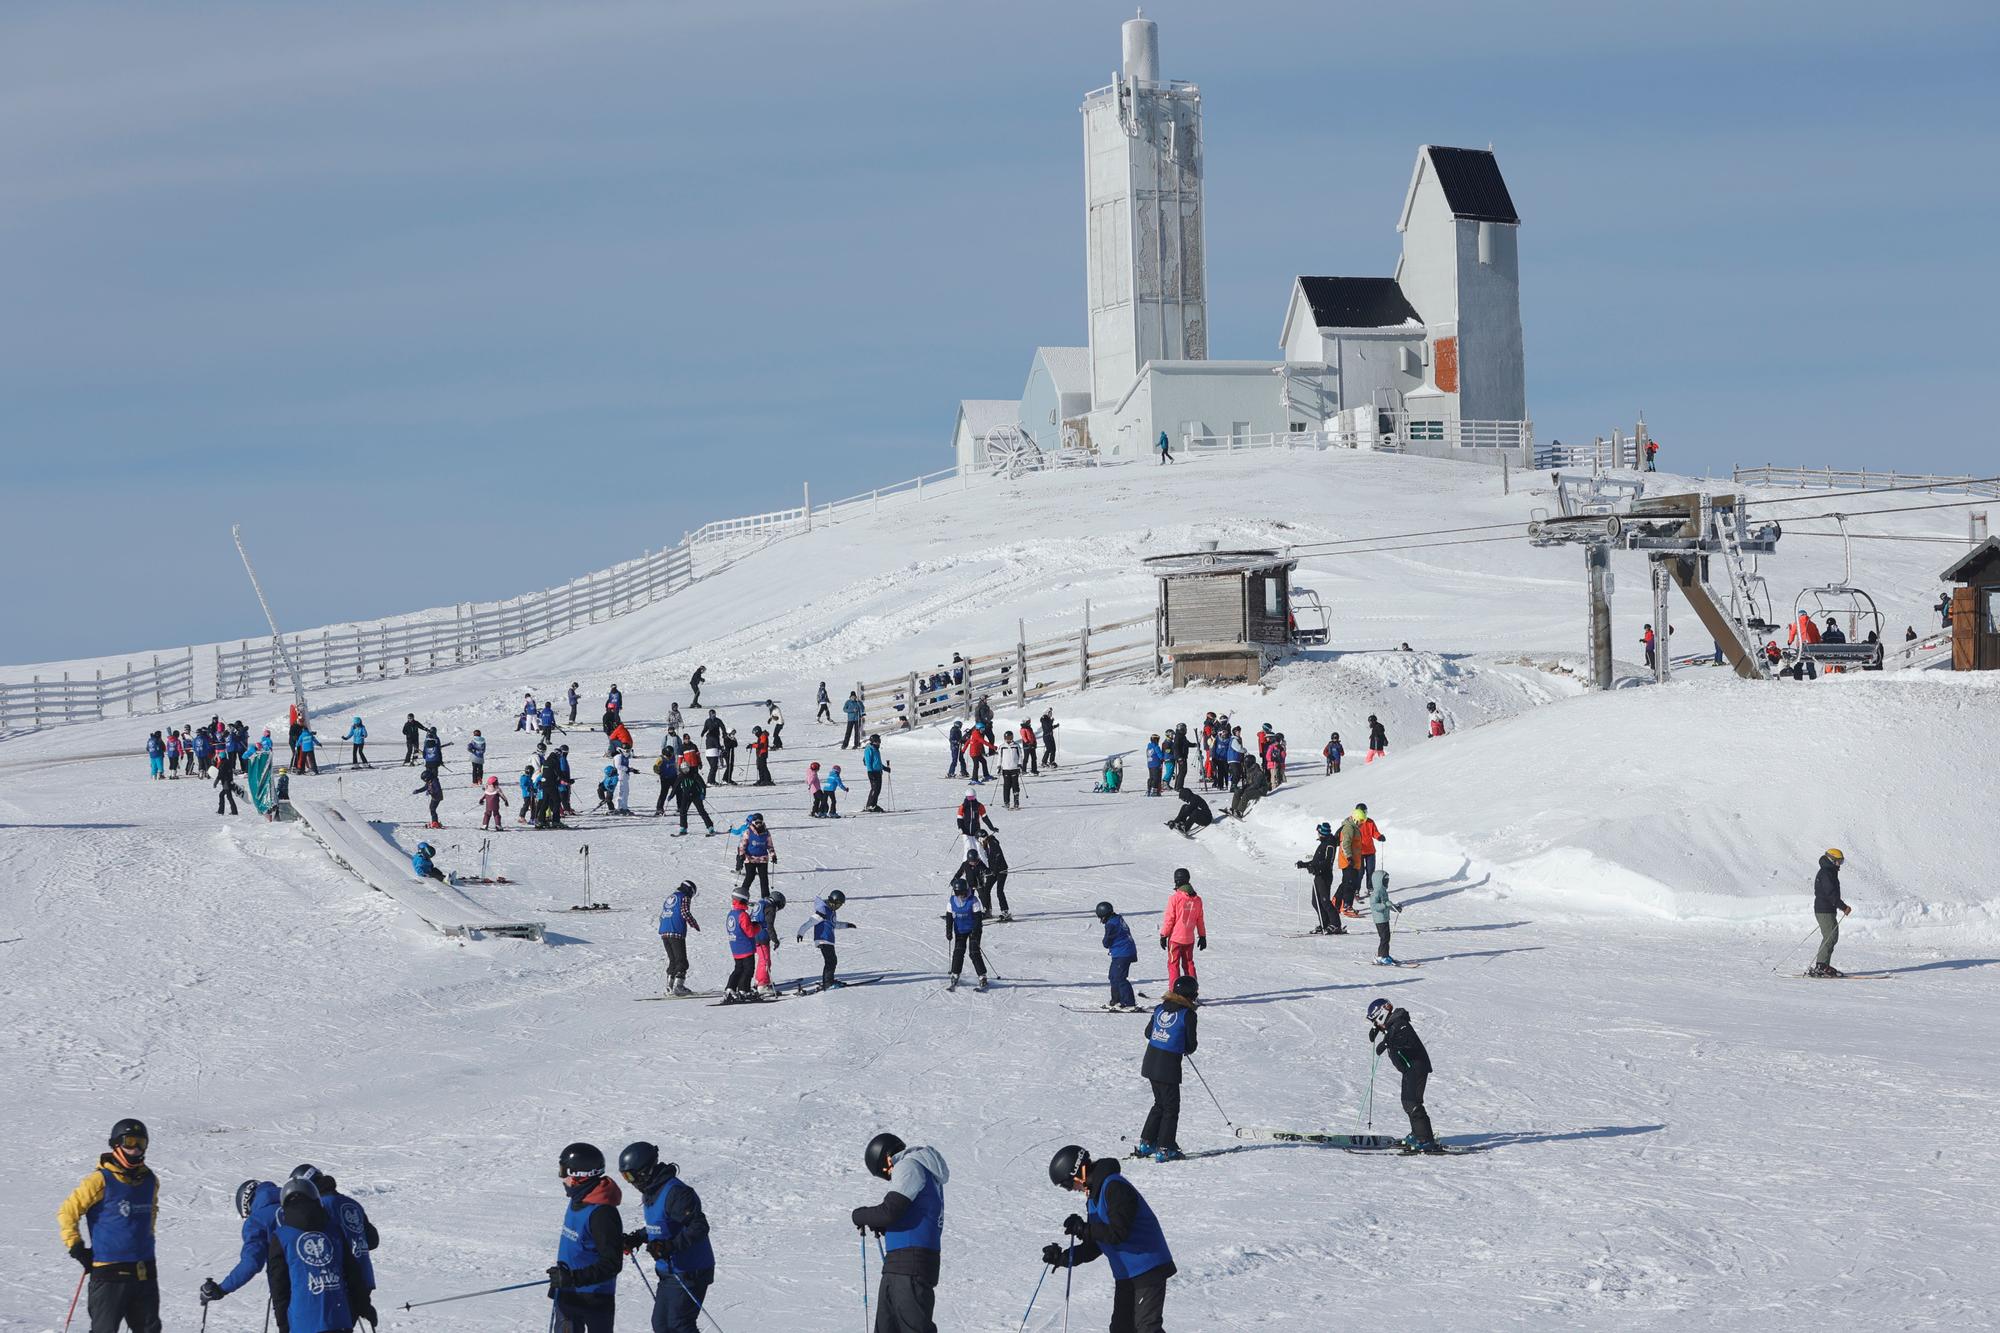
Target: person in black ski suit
[(1194, 814), (548, 808), (691, 793), (994, 883), (225, 781), (1321, 867), (1170, 1038), (413, 739), (694, 686), (1389, 1028)]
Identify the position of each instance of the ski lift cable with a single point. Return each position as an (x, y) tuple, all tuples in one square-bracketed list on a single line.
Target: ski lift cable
[(1400, 536), (1879, 490)]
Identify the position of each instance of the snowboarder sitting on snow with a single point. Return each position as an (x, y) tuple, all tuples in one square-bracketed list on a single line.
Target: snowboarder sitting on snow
[(422, 861), (1826, 902), (1121, 1227), (1194, 814), (1254, 787), (1113, 776), (1389, 1028), (1170, 1038)]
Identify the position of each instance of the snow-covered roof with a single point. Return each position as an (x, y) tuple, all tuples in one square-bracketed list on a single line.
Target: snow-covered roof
[(986, 415), (1069, 367)]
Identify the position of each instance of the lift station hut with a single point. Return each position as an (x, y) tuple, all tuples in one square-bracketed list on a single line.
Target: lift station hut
[(1224, 615)]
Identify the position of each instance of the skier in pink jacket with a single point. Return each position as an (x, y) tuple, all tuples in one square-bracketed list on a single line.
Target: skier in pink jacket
[(1182, 928)]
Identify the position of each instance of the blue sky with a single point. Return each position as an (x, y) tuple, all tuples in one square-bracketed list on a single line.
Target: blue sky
[(447, 302)]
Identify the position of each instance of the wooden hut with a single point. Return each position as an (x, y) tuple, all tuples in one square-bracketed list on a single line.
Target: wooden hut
[(1975, 608), (1224, 615)]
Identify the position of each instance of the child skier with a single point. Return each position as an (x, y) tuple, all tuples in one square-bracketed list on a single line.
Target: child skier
[(1124, 951), (972, 821), (1378, 739), (963, 922), (994, 884), (490, 802), (526, 783), (607, 792), (1435, 721), (818, 792), (764, 916), (475, 750), (1390, 1030), (1379, 908), (1010, 772), (825, 925), (433, 789), (756, 854), (357, 740), (1121, 1226), (742, 952), (832, 786), (424, 862), (1170, 1038), (1332, 753), (1182, 927), (676, 920), (1156, 759)]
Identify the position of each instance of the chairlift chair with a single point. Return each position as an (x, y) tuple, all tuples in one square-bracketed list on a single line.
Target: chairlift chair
[(1309, 619), (1837, 602)]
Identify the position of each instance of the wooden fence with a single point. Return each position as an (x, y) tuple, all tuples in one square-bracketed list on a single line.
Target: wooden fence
[(147, 689), (1091, 655)]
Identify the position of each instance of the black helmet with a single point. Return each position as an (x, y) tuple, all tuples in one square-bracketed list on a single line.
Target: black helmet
[(581, 1159), (1068, 1165), (293, 1191), (1181, 877), (246, 1194), (1187, 988), (1105, 911), (836, 898), (638, 1159), (687, 887), (880, 1149), (129, 1139), (321, 1181), (777, 901)]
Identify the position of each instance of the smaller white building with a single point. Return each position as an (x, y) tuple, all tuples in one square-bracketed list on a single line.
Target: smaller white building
[(980, 420), (1057, 392)]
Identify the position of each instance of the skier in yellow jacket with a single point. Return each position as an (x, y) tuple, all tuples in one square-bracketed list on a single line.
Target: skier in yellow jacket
[(120, 1201)]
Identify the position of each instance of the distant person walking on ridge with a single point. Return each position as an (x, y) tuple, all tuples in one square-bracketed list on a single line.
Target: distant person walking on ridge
[(1166, 450), (1828, 908)]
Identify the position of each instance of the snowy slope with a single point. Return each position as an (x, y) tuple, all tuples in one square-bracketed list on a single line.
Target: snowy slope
[(1604, 891)]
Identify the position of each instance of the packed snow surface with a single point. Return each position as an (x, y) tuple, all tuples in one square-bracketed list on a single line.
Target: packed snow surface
[(1609, 896)]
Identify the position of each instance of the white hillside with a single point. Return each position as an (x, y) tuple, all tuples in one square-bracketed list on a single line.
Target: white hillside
[(1607, 895)]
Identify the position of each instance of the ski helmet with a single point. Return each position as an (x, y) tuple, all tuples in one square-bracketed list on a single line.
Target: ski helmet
[(738, 896), (1378, 1009), (581, 1159), (1181, 877), (687, 887), (757, 818), (881, 1149), (1835, 855), (639, 1162), (1068, 1166), (1105, 911), (293, 1191), (246, 1195), (777, 901), (306, 1171), (1361, 807), (836, 898), (875, 740), (1187, 988), (1325, 830), (129, 1139)]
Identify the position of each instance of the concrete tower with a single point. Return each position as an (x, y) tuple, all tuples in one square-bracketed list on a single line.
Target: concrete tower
[(1142, 190)]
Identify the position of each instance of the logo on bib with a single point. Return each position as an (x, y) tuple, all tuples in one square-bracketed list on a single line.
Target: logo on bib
[(315, 1249)]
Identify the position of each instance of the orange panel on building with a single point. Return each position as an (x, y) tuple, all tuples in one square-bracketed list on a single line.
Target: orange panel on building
[(1445, 358)]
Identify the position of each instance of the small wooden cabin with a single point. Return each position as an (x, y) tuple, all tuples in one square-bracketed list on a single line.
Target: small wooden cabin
[(1224, 615), (1975, 608)]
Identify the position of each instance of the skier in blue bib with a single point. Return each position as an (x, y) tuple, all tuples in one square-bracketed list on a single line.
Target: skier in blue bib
[(349, 1218), (1170, 1038), (120, 1202), (257, 1205), (590, 1251), (1124, 951), (676, 920), (910, 1220), (1119, 1225), (964, 921), (319, 1283), (676, 1236)]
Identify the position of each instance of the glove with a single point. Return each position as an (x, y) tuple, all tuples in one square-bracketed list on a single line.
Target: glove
[(1163, 941), (1301, 865), (81, 1253), (1381, 1047), (659, 1249), (634, 1239), (855, 1217), (1397, 908), (210, 1291), (1074, 1225), (1201, 941), (1053, 1256), (363, 1310), (561, 1278)]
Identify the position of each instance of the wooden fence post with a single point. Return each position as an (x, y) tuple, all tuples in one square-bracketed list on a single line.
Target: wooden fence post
[(1083, 650), (910, 703), (1021, 661), (128, 687), (158, 699), (37, 698)]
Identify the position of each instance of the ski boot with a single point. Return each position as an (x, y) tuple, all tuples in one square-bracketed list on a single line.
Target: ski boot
[(1815, 970), (767, 992), (834, 985), (1831, 971), (1431, 1148), (1386, 961), (983, 986), (1169, 1155), (681, 990), (1144, 1150), (952, 985), (1409, 1144)]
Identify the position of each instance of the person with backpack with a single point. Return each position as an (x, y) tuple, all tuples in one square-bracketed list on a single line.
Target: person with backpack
[(1120, 1226), (964, 922), (854, 711), (1183, 927), (1389, 1028), (1123, 951), (873, 765), (676, 920), (825, 927), (1170, 1039), (1321, 867)]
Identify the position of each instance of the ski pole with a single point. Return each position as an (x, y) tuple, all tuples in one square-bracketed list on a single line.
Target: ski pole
[(269, 1300), (699, 1307), (466, 1296), (641, 1272), (204, 1317), (1068, 1273), (1369, 1112), (1211, 1093), (862, 1236), (1032, 1299), (73, 1299)]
